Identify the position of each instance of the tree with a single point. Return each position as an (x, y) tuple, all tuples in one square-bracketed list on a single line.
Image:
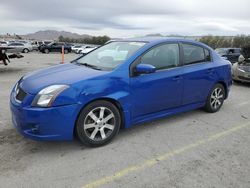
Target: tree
[(226, 42), (99, 40)]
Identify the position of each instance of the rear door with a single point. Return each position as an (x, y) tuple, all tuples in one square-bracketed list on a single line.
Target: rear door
[(198, 74)]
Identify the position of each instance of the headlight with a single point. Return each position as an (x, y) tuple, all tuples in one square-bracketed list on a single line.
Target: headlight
[(47, 95)]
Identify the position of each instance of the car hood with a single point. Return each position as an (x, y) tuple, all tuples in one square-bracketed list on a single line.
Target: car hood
[(61, 74)]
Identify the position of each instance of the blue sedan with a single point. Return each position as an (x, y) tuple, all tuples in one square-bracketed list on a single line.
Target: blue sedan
[(118, 85)]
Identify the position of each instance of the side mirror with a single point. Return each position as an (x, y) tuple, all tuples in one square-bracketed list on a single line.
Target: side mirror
[(241, 59), (144, 69)]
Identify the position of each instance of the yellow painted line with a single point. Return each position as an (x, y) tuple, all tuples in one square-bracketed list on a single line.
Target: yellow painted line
[(163, 157)]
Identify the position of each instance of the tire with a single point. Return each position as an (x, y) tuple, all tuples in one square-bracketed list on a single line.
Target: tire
[(92, 129), (66, 51), (25, 50), (46, 51), (215, 99)]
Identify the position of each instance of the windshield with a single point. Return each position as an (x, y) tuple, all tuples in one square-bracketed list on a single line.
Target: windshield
[(221, 51), (111, 55)]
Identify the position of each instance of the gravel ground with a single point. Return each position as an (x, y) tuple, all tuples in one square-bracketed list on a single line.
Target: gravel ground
[(193, 149)]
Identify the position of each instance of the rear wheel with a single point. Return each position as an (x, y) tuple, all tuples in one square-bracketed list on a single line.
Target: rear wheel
[(25, 50), (46, 51), (215, 99), (98, 123), (66, 51)]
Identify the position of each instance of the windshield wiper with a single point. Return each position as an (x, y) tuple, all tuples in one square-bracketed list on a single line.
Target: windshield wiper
[(91, 66), (88, 65)]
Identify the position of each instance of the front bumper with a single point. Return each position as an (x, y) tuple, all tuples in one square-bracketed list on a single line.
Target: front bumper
[(54, 123)]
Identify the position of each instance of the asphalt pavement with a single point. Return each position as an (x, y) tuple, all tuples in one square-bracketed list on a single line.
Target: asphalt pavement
[(193, 149)]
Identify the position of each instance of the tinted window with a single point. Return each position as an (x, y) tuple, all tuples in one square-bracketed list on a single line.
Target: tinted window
[(162, 57), (16, 44), (194, 54)]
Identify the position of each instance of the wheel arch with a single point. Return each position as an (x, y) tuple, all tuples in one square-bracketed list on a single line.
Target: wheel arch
[(111, 100), (225, 88)]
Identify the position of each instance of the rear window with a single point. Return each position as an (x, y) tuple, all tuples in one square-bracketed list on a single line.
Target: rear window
[(195, 54)]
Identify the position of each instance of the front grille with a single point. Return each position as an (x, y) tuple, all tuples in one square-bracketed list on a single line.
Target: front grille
[(244, 78), (20, 94)]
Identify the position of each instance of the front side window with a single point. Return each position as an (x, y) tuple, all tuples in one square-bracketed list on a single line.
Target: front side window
[(110, 55), (194, 54), (162, 57)]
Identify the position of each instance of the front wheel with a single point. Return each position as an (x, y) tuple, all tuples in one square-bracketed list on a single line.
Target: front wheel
[(98, 123), (215, 99)]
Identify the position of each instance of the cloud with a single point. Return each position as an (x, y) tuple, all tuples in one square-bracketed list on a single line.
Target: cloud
[(127, 18)]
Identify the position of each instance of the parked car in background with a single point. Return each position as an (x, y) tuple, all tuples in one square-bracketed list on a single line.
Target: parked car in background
[(241, 69), (43, 43), (118, 85), (19, 47), (86, 49), (23, 41), (231, 54), (55, 47), (3, 43), (37, 44), (76, 48)]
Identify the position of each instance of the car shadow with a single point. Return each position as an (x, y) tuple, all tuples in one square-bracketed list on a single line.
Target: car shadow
[(245, 84)]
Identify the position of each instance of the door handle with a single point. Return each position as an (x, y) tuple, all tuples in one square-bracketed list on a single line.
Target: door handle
[(177, 78)]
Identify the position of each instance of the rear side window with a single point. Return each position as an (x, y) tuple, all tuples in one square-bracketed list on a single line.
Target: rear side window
[(195, 54), (162, 57)]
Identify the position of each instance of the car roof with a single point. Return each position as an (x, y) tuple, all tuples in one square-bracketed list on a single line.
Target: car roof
[(160, 40)]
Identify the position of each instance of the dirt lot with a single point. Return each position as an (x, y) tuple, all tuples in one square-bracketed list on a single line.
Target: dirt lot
[(193, 149)]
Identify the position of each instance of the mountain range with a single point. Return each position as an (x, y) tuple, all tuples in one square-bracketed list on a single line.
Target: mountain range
[(52, 35)]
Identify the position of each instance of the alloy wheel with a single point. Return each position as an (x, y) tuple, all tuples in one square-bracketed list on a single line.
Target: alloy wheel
[(217, 98), (99, 123)]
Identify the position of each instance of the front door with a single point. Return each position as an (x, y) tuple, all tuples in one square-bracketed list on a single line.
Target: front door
[(162, 89)]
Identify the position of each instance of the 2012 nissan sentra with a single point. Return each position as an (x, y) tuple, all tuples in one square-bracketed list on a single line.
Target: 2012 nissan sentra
[(118, 85)]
